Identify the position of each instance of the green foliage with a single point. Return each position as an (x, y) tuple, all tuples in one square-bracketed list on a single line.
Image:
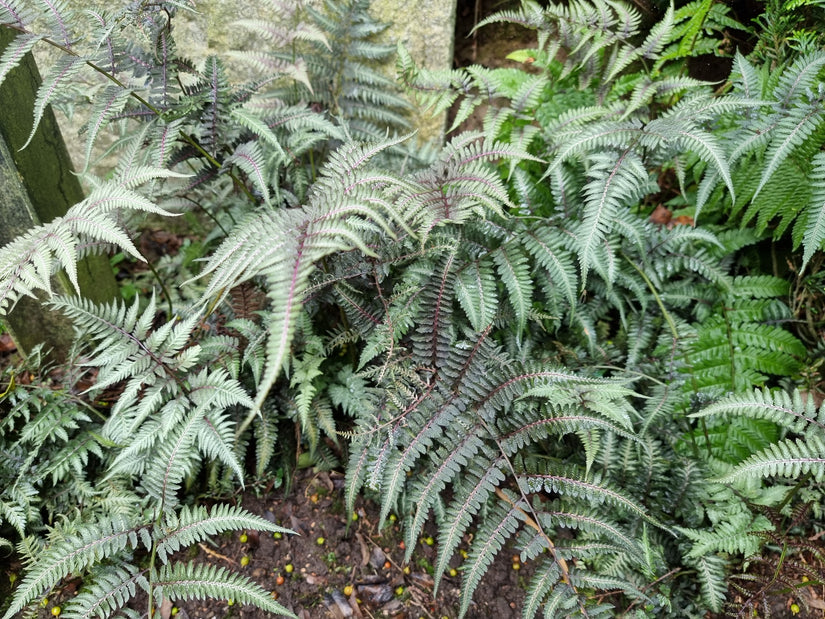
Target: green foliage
[(790, 457), (514, 347)]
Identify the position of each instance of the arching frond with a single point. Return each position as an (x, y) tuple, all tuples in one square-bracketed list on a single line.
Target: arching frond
[(192, 581)]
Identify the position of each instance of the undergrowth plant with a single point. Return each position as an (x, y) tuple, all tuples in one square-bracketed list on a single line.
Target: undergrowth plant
[(495, 335)]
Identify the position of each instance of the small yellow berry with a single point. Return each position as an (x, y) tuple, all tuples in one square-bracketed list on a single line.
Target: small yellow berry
[(175, 610), (407, 569), (277, 535), (516, 566), (429, 541), (320, 541), (464, 553), (795, 608), (244, 561), (230, 602), (348, 590), (393, 517), (453, 572), (354, 516), (399, 590), (243, 538), (56, 610), (288, 568)]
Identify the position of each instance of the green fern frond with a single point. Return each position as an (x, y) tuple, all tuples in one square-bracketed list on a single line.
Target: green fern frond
[(194, 524), (815, 211), (615, 180), (475, 488), (177, 581), (790, 133), (789, 458), (548, 248), (605, 397), (574, 484), (15, 515), (500, 524), (73, 554), (107, 591), (543, 583), (710, 569), (788, 410), (735, 536), (425, 492), (475, 289), (513, 269)]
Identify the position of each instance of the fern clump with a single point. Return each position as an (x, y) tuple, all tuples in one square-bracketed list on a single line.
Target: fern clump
[(506, 340)]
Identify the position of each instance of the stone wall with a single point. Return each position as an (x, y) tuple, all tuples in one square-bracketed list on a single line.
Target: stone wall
[(425, 27)]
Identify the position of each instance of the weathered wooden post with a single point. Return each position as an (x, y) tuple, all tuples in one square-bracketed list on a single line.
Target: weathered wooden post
[(37, 184)]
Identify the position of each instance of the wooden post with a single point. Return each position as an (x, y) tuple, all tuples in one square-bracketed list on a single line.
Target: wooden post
[(37, 184)]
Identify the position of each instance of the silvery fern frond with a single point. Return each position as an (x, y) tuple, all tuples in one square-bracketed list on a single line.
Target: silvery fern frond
[(30, 261)]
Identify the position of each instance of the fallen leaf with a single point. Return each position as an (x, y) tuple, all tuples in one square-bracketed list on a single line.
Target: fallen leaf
[(661, 215), (376, 594), (365, 551), (681, 220), (314, 579), (6, 343), (338, 605), (166, 608)]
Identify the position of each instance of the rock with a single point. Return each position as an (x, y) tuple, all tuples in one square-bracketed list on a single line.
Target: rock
[(338, 605), (377, 558), (422, 579), (375, 595), (394, 608)]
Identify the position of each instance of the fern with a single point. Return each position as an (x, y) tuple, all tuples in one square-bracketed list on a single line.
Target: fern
[(710, 572), (75, 554), (515, 348), (789, 457), (29, 263)]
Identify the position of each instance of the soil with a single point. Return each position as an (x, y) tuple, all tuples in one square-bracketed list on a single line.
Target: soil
[(311, 572)]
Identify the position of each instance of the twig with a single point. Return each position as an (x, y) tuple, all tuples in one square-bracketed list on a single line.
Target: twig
[(215, 554)]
